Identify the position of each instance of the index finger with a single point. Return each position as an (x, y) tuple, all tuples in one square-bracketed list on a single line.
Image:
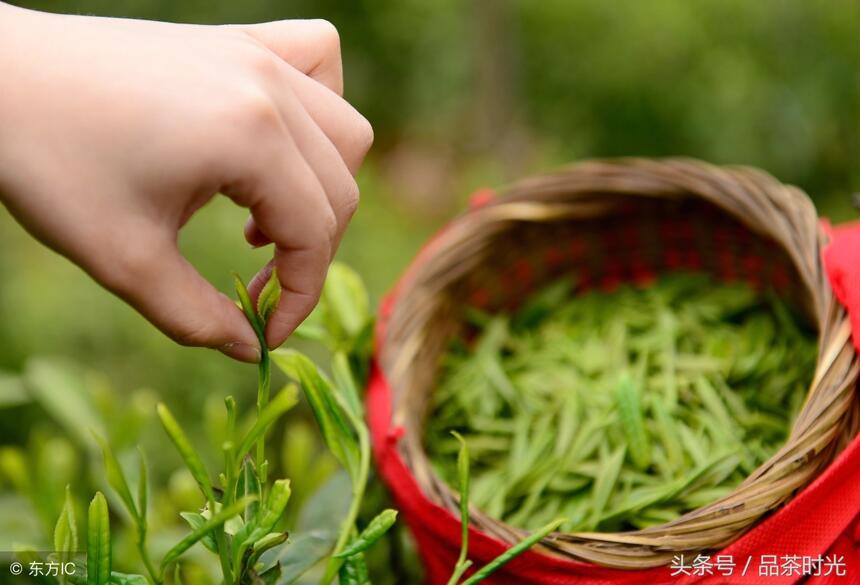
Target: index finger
[(303, 230), (311, 46)]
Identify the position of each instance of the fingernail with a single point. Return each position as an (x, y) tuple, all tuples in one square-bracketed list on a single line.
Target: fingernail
[(241, 351)]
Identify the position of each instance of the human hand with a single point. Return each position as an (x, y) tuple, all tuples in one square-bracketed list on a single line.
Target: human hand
[(115, 132)]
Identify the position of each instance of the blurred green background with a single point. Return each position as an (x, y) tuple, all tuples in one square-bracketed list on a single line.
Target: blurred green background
[(462, 94)]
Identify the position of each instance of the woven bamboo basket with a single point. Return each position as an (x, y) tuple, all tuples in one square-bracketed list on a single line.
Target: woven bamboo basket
[(626, 220)]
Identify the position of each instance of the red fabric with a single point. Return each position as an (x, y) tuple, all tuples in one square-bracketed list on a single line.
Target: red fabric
[(842, 260), (821, 520)]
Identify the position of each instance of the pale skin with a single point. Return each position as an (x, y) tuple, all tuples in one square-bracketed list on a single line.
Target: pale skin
[(114, 132)]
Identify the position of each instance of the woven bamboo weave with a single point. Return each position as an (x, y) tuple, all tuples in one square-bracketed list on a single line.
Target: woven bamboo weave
[(626, 220)]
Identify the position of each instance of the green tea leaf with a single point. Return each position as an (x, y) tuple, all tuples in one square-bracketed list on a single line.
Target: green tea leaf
[(336, 429), (263, 545), (215, 521), (269, 297), (186, 451), (98, 542), (285, 400), (116, 478), (267, 516), (66, 530), (353, 571), (344, 383), (301, 553), (513, 552), (142, 488), (346, 299), (248, 307), (248, 485), (79, 576), (195, 521), (605, 483), (464, 478), (630, 415), (375, 530), (61, 389), (463, 475)]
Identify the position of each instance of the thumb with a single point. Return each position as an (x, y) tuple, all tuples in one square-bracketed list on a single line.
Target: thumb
[(169, 292)]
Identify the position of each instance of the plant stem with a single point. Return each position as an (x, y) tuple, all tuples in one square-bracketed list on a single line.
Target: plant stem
[(223, 551), (144, 555), (224, 555), (264, 383), (358, 488), (513, 552)]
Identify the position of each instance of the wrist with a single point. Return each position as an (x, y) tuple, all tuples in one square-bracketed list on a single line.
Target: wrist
[(15, 55)]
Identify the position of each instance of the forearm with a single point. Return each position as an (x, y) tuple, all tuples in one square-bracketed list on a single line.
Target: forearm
[(19, 65), (113, 132)]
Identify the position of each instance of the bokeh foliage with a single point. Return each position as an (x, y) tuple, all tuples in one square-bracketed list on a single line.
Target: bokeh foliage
[(461, 93)]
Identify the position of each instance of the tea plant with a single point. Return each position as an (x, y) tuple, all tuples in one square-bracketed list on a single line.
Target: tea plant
[(243, 520), (463, 563), (243, 515)]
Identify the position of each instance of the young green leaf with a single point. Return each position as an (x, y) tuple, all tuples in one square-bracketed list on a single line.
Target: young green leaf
[(248, 307), (353, 571), (215, 521), (513, 552), (189, 455), (346, 299), (301, 553), (269, 297), (195, 521), (344, 383), (248, 485), (230, 407), (605, 483), (62, 389), (66, 530), (264, 544), (98, 542), (463, 563), (336, 429), (116, 477), (285, 400), (142, 488), (629, 405), (268, 515), (464, 478), (375, 530)]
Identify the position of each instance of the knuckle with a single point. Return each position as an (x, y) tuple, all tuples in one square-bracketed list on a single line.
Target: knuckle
[(329, 37), (263, 65), (362, 135), (351, 199), (191, 334), (131, 264), (258, 112), (329, 223)]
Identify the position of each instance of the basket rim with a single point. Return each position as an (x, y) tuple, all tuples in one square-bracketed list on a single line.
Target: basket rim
[(817, 435)]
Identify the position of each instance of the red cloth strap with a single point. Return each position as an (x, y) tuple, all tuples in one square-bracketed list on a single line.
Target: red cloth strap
[(818, 521), (842, 260)]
